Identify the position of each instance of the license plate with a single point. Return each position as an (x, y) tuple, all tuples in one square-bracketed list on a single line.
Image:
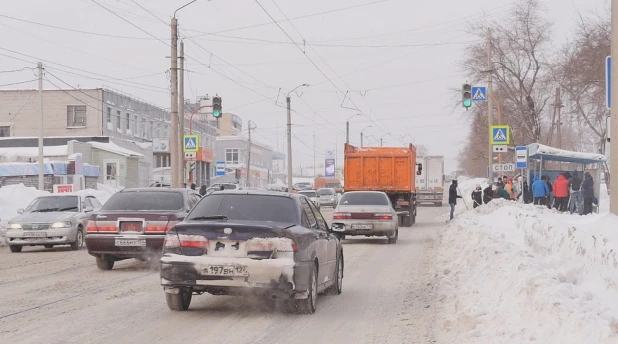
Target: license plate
[(362, 226), (131, 242), (35, 234), (225, 270)]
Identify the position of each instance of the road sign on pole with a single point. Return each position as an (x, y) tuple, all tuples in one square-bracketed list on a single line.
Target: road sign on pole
[(220, 168), (503, 167), (190, 143), (500, 148), (479, 93), (608, 81), (499, 135), (521, 155)]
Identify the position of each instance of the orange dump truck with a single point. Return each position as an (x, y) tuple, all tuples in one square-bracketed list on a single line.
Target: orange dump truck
[(388, 169)]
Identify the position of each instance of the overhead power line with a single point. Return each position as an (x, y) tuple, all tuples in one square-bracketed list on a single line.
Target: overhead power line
[(18, 83)]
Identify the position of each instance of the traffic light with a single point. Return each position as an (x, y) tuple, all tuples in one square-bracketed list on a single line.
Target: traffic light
[(466, 95), (216, 107)]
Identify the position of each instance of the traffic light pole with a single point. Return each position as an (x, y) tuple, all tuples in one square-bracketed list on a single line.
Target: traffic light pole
[(175, 159), (490, 104), (289, 134)]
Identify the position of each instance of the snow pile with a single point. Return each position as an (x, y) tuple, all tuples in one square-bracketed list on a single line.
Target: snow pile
[(514, 273), (13, 197)]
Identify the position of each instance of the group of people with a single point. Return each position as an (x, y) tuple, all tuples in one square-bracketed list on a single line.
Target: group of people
[(569, 192)]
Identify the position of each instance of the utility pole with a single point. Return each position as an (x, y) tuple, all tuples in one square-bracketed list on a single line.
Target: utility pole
[(181, 114), (41, 175), (361, 139), (613, 184), (490, 104), (248, 181), (559, 106), (314, 167), (347, 131), (174, 157), (289, 134)]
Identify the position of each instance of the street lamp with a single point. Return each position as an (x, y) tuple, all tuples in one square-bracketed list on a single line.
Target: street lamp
[(289, 133), (347, 128), (361, 133), (387, 134)]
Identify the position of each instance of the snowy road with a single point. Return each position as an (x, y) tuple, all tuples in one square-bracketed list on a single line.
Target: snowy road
[(59, 296)]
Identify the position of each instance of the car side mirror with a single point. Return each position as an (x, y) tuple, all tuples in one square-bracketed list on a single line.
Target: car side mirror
[(89, 209), (20, 210)]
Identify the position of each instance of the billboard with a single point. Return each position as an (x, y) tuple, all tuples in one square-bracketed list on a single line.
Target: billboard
[(329, 168)]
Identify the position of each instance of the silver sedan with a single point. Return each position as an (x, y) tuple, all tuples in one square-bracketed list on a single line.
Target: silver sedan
[(368, 213), (51, 220)]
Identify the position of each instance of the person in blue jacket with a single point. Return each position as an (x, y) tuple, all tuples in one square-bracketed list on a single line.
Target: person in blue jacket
[(540, 191)]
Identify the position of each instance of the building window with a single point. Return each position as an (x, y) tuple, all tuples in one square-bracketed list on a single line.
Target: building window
[(128, 122), (5, 131), (134, 125), (76, 115), (118, 118), (109, 115), (232, 155)]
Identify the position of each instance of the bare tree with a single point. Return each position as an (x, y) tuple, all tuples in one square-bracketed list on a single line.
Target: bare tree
[(522, 82), (421, 150)]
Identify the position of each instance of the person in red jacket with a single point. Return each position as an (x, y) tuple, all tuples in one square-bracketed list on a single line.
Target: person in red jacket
[(561, 193)]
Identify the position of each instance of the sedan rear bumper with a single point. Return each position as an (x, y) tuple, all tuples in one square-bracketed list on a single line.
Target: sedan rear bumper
[(279, 278), (105, 245), (379, 228)]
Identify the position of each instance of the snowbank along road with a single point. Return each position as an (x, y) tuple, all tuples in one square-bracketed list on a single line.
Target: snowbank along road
[(59, 296)]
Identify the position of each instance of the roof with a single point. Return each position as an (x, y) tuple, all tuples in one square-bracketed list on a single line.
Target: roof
[(537, 151), (114, 148), (255, 192)]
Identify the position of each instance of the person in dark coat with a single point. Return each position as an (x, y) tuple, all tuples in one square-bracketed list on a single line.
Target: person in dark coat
[(526, 192), (193, 186), (488, 194), (551, 190), (477, 196), (575, 191), (203, 190), (588, 193), (453, 196)]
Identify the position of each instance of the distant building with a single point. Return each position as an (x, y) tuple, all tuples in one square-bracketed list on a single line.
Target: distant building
[(103, 112)]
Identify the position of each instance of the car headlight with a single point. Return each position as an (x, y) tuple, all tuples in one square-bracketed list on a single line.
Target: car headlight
[(14, 226), (62, 224), (332, 199)]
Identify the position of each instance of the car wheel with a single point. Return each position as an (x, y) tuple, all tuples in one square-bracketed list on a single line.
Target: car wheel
[(336, 288), (180, 301), (15, 248), (79, 240), (105, 263), (393, 240), (48, 246), (308, 305)]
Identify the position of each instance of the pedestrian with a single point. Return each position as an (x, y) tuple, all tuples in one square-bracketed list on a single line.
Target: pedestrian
[(193, 186), (588, 193), (453, 196), (508, 186), (540, 190), (516, 188), (477, 196), (502, 193), (488, 194), (575, 188), (203, 190), (500, 182), (561, 192), (551, 190), (526, 192)]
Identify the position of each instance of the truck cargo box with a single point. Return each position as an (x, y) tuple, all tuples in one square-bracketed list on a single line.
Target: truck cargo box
[(380, 168)]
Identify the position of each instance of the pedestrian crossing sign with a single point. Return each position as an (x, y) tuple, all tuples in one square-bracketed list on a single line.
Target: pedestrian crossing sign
[(499, 135), (191, 143)]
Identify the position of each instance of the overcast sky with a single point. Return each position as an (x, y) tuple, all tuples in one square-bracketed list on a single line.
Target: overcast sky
[(397, 60)]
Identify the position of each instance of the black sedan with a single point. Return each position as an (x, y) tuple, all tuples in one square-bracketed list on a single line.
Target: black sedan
[(268, 244)]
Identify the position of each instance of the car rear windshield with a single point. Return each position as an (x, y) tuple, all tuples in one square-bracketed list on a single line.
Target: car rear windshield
[(308, 193), (144, 201), (364, 198), (243, 207), (54, 203), (325, 192), (333, 185)]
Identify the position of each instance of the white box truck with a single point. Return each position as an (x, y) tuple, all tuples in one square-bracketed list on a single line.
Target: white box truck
[(430, 183)]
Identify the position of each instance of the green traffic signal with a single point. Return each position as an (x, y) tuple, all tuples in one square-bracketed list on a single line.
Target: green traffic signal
[(216, 113), (467, 103)]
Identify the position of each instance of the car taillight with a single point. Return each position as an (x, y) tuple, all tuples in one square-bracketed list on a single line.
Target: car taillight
[(91, 227), (170, 224), (171, 241), (342, 216), (106, 226), (384, 216), (193, 241)]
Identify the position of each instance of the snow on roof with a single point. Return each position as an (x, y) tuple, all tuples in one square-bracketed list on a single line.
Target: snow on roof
[(114, 148), (537, 150), (34, 151)]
